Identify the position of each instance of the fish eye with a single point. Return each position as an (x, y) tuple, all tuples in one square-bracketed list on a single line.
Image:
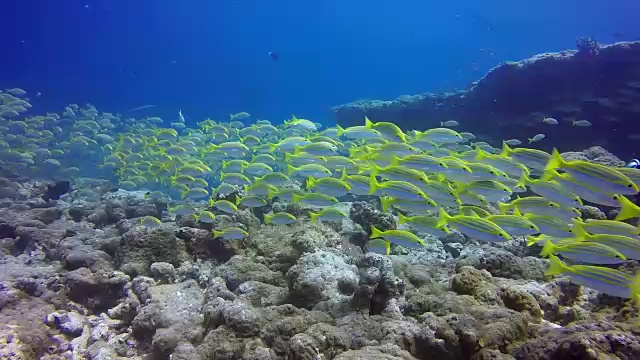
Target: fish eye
[(532, 227), (630, 185), (615, 197), (500, 234)]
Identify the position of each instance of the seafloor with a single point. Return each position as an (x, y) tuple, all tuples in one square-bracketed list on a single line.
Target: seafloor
[(80, 280)]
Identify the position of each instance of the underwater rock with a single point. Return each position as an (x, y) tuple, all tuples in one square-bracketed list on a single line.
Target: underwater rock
[(582, 341), (367, 215), (174, 309), (162, 272), (69, 323), (383, 352), (503, 99), (501, 263), (316, 277), (96, 291), (142, 247), (56, 190), (240, 269), (592, 212), (260, 294)]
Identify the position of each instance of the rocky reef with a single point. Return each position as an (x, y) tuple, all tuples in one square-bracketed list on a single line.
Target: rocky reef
[(599, 83), (80, 280)]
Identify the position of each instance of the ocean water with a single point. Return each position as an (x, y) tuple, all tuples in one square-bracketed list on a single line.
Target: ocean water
[(173, 183), (209, 58)]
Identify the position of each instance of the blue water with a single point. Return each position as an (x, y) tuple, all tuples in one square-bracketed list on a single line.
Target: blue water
[(209, 57)]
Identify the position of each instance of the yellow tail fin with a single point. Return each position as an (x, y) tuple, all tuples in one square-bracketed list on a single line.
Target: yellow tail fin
[(290, 169), (556, 266), (313, 217), (374, 185), (367, 123), (375, 233), (402, 219), (629, 210), (547, 249), (385, 202), (443, 218), (506, 150)]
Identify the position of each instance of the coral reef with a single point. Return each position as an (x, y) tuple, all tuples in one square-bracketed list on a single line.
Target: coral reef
[(513, 97), (74, 287)]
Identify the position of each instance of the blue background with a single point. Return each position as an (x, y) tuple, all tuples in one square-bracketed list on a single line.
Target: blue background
[(209, 57)]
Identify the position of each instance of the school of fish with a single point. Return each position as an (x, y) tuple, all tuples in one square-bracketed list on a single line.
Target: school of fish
[(435, 180)]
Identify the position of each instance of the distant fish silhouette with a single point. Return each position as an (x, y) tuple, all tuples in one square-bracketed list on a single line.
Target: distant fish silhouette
[(56, 190), (141, 108), (274, 55)]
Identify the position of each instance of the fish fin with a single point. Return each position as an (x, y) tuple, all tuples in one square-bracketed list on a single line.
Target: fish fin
[(343, 176), (375, 233), (532, 240), (290, 169), (480, 154), (395, 161), (267, 219), (313, 217), (555, 161), (402, 219), (340, 130), (547, 249), (385, 203), (524, 179), (506, 150), (287, 157), (503, 207), (629, 210), (367, 123), (556, 266), (580, 233), (297, 150), (272, 147), (375, 170), (295, 198), (271, 193), (443, 218), (373, 185), (215, 234), (311, 182), (516, 211)]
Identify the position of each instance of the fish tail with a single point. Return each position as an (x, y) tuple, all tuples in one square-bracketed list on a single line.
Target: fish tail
[(311, 182), (555, 161), (530, 140), (375, 233), (547, 249), (287, 157), (375, 170), (297, 150), (343, 176), (387, 247), (503, 207), (367, 123), (635, 290), (215, 234), (443, 218), (556, 266), (271, 193), (524, 179), (629, 210), (506, 150), (402, 219), (531, 240), (290, 169), (313, 217), (480, 154), (267, 219), (295, 198), (385, 202), (272, 147), (374, 185), (395, 161), (340, 130)]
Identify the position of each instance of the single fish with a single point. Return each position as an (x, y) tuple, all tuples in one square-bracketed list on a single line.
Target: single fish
[(581, 123), (477, 227), (399, 237), (537, 138)]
